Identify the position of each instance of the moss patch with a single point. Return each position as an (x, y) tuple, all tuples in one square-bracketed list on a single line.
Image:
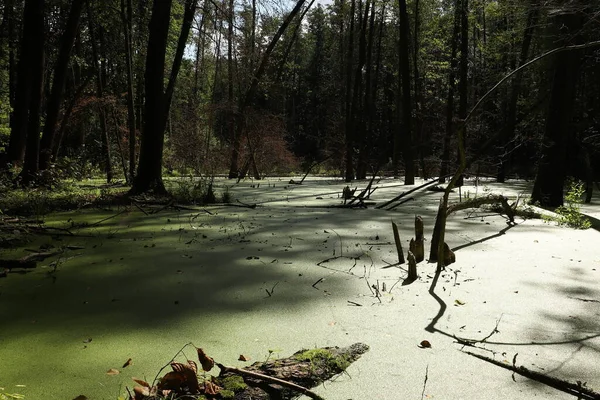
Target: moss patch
[(324, 359)]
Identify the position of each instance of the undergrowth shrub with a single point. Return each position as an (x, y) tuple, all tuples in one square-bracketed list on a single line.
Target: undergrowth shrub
[(570, 214)]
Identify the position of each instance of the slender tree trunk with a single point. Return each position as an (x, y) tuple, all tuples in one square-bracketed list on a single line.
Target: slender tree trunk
[(34, 36), (450, 98), (511, 118), (349, 123), (158, 102), (407, 138), (422, 144), (368, 115), (464, 76), (231, 125), (99, 68), (248, 97), (60, 76), (127, 21), (358, 116)]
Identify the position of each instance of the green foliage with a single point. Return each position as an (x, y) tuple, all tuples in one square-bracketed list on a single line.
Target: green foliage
[(193, 191), (570, 214), (64, 195)]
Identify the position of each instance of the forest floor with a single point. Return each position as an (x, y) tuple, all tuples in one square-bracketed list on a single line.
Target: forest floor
[(294, 273)]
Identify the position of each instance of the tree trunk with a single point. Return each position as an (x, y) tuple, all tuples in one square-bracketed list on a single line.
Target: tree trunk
[(450, 98), (58, 84), (551, 175), (349, 123), (511, 117), (463, 74), (407, 142), (158, 100), (231, 126), (34, 36), (127, 21), (149, 175)]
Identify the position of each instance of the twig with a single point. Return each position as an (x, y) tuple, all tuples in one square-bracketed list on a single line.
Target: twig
[(139, 208), (575, 389), (317, 282), (354, 303), (493, 331), (271, 379), (425, 381)]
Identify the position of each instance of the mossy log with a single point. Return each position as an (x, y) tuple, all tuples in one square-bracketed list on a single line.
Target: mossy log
[(306, 368)]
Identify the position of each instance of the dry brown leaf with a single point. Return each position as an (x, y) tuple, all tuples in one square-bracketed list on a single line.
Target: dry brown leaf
[(425, 344), (113, 371), (128, 363), (142, 391), (188, 375), (243, 358), (207, 362), (141, 382), (193, 366), (211, 389), (172, 381)]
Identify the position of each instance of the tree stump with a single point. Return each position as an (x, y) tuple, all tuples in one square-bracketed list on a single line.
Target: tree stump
[(449, 256), (419, 245), (412, 267), (401, 259)]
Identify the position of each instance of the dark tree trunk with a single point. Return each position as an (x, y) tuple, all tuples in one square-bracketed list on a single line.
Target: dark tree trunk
[(100, 79), (407, 142), (369, 111), (127, 21), (58, 84), (149, 175), (511, 117), (34, 37), (463, 74), (349, 123), (158, 100), (18, 134), (551, 175), (231, 126), (358, 116), (450, 98)]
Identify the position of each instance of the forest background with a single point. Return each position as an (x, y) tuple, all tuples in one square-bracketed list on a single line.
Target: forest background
[(137, 89)]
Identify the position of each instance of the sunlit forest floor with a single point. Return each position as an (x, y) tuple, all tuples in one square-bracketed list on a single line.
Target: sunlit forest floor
[(295, 273)]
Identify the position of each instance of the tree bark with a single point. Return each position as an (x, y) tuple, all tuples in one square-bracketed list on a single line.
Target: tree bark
[(511, 117), (33, 39), (158, 99), (127, 21), (58, 84), (551, 174), (149, 175), (349, 128), (407, 138), (450, 98)]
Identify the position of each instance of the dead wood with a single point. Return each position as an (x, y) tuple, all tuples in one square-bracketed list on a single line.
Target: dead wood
[(400, 196), (412, 267), (443, 214), (575, 389), (398, 243), (285, 378)]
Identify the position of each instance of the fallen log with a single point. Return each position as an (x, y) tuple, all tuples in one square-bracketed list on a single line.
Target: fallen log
[(285, 378)]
